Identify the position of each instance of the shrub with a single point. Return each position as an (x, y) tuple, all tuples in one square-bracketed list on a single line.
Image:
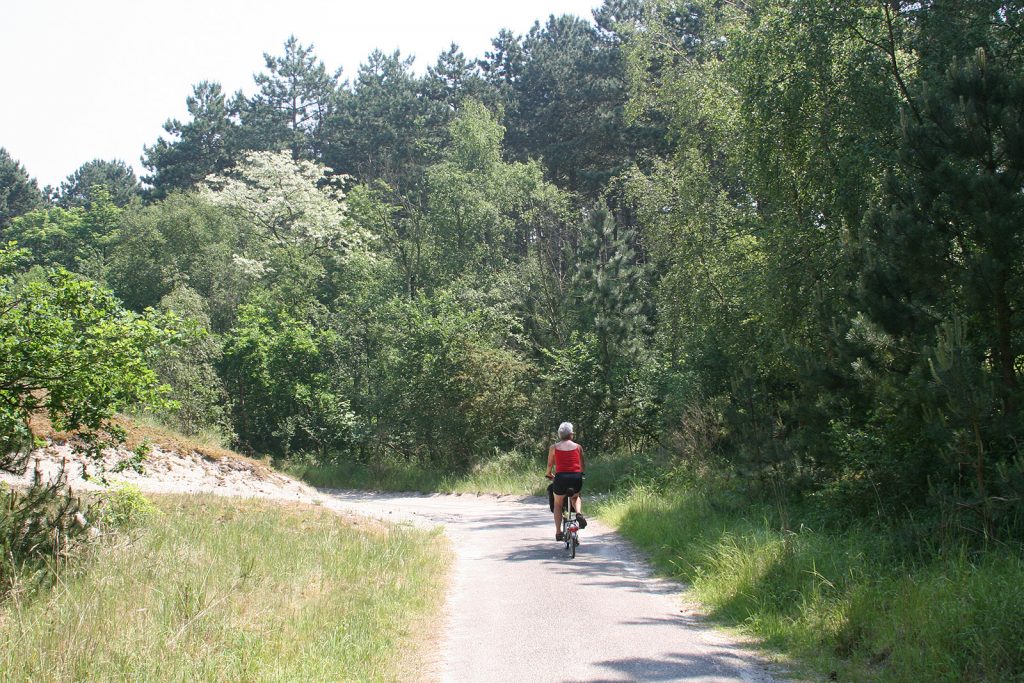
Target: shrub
[(122, 506)]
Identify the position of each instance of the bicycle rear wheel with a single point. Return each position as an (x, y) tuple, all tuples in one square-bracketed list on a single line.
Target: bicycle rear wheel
[(573, 542)]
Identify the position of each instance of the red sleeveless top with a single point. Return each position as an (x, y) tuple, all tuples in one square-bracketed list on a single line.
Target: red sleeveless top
[(568, 461)]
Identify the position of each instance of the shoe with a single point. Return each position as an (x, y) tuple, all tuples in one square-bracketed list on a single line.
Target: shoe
[(582, 520), (559, 536)]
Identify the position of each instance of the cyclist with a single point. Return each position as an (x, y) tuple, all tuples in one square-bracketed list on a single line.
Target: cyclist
[(565, 468)]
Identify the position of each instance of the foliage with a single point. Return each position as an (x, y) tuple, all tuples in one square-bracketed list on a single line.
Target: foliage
[(450, 391), (781, 238), (284, 392), (115, 176), (19, 193), (183, 240), (481, 212), (53, 235), (68, 348), (80, 238), (785, 116), (197, 394), (293, 210), (122, 507), (69, 351)]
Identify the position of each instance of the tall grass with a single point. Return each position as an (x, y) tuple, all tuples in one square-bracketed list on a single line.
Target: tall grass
[(852, 603), (219, 589)]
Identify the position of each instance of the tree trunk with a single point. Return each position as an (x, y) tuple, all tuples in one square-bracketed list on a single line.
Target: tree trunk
[(1004, 346)]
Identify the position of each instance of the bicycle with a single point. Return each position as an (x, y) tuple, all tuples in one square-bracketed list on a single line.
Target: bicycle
[(570, 526)]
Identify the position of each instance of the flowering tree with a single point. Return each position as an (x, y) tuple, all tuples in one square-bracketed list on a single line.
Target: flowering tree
[(297, 206)]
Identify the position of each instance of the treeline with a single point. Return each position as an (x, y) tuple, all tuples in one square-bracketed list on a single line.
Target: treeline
[(779, 238)]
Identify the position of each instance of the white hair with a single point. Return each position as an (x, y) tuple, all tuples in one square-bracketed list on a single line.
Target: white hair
[(565, 430)]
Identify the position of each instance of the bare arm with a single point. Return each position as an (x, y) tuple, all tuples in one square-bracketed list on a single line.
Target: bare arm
[(551, 462), (583, 467)]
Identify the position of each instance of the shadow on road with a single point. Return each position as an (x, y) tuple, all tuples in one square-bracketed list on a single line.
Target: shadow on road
[(595, 564), (483, 523), (708, 666)]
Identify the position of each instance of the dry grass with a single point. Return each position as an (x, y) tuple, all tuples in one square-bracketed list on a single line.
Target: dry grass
[(227, 589), (139, 431)]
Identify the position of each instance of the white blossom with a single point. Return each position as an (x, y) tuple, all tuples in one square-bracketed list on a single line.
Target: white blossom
[(254, 268), (288, 203)]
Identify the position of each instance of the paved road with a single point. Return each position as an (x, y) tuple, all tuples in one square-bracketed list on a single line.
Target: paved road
[(520, 610)]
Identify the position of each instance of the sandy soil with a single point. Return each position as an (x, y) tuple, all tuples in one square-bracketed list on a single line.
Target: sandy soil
[(168, 472)]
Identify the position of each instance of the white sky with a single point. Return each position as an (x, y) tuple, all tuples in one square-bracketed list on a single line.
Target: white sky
[(96, 79)]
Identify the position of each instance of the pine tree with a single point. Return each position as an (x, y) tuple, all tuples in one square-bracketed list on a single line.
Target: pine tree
[(945, 277), (610, 285), (951, 242), (19, 193), (115, 176), (206, 144), (296, 98)]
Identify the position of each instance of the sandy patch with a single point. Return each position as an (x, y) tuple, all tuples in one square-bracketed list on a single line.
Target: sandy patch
[(166, 471)]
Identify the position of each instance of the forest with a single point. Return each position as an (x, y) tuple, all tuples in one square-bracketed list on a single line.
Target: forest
[(779, 242)]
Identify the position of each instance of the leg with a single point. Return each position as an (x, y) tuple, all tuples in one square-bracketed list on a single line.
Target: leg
[(577, 505), (559, 501)]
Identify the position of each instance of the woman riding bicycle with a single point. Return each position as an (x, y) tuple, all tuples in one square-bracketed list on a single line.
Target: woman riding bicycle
[(565, 467)]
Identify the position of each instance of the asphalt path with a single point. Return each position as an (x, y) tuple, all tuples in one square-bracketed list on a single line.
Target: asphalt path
[(519, 609)]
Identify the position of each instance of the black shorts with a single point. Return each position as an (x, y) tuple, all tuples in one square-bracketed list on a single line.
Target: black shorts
[(567, 480)]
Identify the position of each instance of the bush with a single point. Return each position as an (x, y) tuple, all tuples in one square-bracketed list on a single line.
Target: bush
[(122, 507)]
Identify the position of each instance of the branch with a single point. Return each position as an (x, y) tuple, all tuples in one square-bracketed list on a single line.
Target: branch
[(895, 65)]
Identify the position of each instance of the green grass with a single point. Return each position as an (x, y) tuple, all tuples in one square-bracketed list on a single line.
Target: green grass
[(218, 589), (850, 602), (505, 473), (508, 473), (864, 604)]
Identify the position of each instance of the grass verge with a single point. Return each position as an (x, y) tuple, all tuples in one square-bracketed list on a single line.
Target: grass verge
[(853, 604), (226, 589), (508, 473)]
